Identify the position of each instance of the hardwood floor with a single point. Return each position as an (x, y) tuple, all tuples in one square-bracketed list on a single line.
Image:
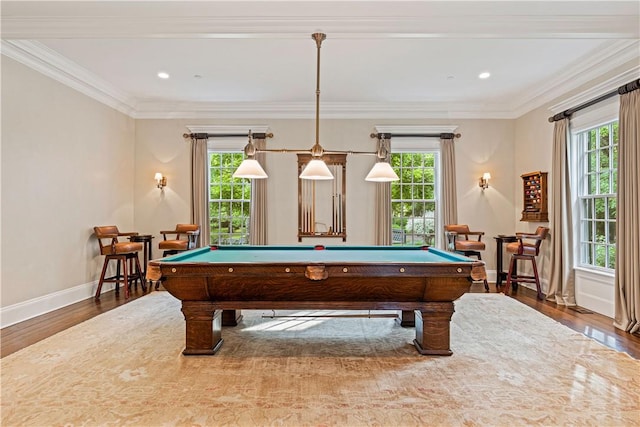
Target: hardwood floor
[(593, 325)]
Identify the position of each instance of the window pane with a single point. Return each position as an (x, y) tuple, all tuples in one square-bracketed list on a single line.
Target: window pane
[(604, 183), (600, 256), (586, 231), (599, 204), (612, 257), (604, 136), (613, 207), (612, 233), (593, 185), (587, 211), (586, 254), (600, 236), (591, 161), (604, 159), (592, 135)]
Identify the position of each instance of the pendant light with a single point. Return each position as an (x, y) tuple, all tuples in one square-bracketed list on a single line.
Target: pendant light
[(317, 169), (250, 168), (382, 170)]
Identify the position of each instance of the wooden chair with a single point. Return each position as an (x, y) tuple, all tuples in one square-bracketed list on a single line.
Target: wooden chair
[(123, 253), (460, 242), (526, 248), (186, 237)]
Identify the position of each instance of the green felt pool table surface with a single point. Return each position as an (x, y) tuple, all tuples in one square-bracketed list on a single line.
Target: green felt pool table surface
[(329, 254)]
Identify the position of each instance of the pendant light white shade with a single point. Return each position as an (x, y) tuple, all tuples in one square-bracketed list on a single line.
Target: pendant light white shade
[(382, 172), (316, 170), (250, 168)]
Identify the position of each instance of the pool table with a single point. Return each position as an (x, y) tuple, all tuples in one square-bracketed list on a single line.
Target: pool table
[(215, 283)]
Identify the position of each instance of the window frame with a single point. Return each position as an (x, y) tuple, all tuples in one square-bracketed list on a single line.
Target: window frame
[(423, 145), (579, 148), (228, 146)]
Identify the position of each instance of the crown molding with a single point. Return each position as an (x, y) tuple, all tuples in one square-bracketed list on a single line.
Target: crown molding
[(610, 56), (48, 62), (354, 110), (600, 89)]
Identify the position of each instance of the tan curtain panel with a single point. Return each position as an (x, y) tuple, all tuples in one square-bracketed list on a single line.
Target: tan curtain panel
[(627, 278), (258, 218), (199, 189), (562, 282), (449, 201), (383, 204)]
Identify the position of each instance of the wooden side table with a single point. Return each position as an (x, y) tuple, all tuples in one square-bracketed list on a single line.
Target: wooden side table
[(145, 239), (501, 239)]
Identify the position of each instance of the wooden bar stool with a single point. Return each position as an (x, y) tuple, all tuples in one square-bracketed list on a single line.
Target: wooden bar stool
[(526, 248), (126, 256)]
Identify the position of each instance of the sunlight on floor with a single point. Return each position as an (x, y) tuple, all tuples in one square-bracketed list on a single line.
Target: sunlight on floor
[(301, 320)]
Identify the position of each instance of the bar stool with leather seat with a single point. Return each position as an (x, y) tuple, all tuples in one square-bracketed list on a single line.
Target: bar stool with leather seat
[(186, 237), (462, 244), (126, 256), (526, 248)]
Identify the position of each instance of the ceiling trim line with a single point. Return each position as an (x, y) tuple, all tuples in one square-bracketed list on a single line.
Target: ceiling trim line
[(49, 63)]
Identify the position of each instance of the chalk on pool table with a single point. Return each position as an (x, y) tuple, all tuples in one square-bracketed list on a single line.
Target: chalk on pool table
[(319, 247), (213, 247)]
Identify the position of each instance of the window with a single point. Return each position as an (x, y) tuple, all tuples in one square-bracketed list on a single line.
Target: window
[(597, 160), (414, 204), (229, 200)]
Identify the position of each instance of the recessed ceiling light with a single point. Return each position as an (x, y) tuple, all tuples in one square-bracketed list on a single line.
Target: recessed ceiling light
[(484, 75), (163, 75)]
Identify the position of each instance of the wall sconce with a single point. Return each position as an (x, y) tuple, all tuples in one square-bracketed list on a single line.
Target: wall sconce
[(161, 181), (484, 181)]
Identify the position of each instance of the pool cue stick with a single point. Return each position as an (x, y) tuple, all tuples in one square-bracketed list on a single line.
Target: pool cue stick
[(306, 206), (313, 206), (333, 204)]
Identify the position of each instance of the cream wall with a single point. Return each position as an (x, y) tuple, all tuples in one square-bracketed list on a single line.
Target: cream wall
[(67, 165), (485, 145), (534, 142)]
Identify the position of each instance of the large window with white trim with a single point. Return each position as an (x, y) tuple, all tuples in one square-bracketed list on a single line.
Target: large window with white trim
[(414, 202), (597, 160), (229, 199)]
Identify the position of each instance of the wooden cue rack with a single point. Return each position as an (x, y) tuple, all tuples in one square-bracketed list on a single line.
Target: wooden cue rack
[(322, 205)]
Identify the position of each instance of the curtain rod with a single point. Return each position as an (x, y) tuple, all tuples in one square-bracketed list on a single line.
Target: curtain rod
[(226, 135), (415, 135), (629, 87)]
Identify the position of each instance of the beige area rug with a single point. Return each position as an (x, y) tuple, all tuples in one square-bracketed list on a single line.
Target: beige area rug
[(511, 366)]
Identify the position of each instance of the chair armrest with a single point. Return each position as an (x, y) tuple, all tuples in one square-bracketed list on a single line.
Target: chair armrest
[(475, 233), (169, 232), (128, 233), (193, 233), (528, 236), (108, 236)]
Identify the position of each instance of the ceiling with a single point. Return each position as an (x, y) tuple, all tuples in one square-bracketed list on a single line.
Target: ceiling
[(381, 59)]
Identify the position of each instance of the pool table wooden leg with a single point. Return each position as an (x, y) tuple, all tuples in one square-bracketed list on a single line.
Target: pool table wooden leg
[(432, 328), (406, 319), (203, 328), (231, 317)]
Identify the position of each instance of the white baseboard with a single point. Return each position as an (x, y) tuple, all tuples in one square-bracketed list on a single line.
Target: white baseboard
[(26, 310)]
